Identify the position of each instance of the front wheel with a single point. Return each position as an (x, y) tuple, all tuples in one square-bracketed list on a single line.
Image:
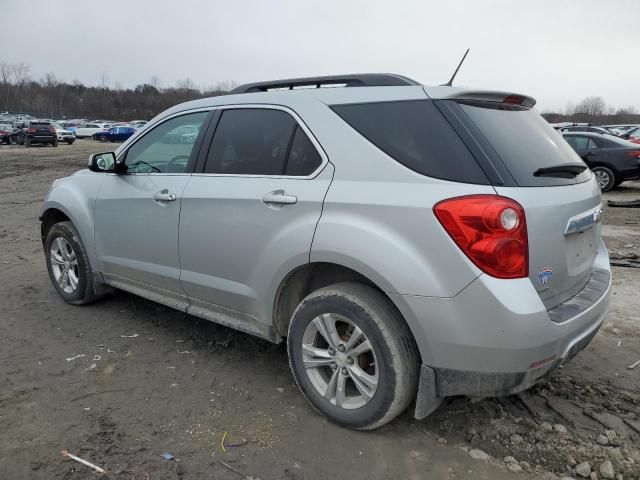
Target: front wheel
[(353, 356), (605, 177), (68, 264)]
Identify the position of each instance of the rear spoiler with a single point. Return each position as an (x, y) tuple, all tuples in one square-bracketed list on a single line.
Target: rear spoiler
[(463, 94)]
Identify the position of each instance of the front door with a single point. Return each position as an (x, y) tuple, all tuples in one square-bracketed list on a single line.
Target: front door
[(138, 212), (249, 217)]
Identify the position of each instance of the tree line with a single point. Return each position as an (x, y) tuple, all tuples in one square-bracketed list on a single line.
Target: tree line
[(594, 110), (50, 97)]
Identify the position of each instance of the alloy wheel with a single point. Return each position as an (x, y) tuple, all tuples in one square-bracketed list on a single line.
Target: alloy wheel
[(64, 265), (340, 361)]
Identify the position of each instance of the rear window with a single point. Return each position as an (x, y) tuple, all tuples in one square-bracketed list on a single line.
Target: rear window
[(415, 134), (525, 142)]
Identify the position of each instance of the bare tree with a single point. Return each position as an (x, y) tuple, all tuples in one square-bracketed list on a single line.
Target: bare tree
[(21, 74), (593, 106), (6, 72), (154, 81), (186, 84)]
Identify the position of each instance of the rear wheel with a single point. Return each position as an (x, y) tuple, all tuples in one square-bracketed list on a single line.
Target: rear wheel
[(68, 264), (55, 143), (605, 177), (353, 356), (27, 142)]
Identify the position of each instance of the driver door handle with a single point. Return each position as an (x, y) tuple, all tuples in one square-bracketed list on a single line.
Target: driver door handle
[(164, 196), (279, 197)]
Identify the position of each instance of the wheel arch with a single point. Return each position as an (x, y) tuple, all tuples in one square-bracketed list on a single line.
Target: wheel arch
[(307, 278)]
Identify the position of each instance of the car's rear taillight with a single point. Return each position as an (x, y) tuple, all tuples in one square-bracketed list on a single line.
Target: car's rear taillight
[(634, 153), (31, 130), (490, 230)]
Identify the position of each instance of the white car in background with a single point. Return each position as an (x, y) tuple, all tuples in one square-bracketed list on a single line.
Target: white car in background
[(86, 130), (63, 134)]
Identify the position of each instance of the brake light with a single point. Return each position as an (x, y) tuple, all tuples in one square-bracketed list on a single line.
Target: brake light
[(490, 230), (634, 153), (31, 130), (52, 130)]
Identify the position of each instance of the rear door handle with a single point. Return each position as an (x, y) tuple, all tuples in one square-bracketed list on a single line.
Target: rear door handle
[(164, 196), (279, 197)]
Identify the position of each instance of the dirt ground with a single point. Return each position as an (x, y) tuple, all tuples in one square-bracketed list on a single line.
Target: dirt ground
[(124, 380)]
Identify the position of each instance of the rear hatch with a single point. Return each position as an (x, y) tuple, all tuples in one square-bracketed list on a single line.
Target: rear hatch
[(529, 162), (40, 129)]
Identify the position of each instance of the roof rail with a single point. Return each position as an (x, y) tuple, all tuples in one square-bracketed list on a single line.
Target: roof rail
[(351, 80)]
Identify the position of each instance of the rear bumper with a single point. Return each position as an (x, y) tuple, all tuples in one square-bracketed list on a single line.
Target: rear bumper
[(496, 337)]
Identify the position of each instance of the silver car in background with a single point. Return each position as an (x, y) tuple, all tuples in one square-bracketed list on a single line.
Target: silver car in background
[(409, 242)]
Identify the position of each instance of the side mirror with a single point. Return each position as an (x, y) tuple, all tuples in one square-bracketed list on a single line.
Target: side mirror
[(102, 162)]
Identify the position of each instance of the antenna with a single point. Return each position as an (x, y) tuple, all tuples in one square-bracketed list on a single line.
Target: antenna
[(450, 82)]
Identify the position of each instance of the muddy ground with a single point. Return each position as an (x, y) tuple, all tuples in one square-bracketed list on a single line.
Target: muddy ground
[(124, 380)]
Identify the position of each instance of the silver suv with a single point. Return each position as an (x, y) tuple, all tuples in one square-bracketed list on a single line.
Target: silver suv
[(410, 243)]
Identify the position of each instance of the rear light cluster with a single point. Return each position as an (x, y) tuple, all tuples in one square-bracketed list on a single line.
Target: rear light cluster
[(52, 130), (634, 153), (31, 130), (490, 230)]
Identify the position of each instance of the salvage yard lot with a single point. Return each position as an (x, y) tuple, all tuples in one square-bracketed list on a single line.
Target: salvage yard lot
[(124, 380)]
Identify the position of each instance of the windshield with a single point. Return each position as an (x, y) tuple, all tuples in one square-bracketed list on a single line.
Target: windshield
[(525, 142)]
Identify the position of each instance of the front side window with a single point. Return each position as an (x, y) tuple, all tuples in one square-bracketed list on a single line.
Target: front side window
[(158, 152)]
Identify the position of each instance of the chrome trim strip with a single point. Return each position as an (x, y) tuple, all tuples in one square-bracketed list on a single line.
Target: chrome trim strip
[(584, 221)]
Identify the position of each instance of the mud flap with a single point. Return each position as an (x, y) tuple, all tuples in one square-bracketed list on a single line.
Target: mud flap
[(427, 401)]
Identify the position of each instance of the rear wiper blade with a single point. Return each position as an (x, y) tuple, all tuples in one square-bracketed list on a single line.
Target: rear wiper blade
[(565, 170)]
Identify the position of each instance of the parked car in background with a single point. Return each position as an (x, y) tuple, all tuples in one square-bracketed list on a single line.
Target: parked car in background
[(587, 128), (36, 132), (6, 129), (114, 134), (86, 130), (632, 135), (63, 134), (137, 124), (326, 218), (612, 159), (621, 129)]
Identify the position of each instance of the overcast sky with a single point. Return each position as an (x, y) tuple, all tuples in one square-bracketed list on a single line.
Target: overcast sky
[(558, 51)]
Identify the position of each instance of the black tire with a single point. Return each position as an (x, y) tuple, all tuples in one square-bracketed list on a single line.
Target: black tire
[(85, 290), (55, 143), (395, 350), (617, 183), (605, 176), (27, 142), (69, 141)]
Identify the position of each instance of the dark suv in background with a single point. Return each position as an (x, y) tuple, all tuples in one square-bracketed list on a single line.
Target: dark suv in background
[(37, 132)]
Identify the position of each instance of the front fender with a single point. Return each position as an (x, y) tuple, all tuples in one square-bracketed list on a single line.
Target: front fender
[(75, 197)]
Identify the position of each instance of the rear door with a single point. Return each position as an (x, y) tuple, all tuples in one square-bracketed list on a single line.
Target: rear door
[(249, 216), (562, 211)]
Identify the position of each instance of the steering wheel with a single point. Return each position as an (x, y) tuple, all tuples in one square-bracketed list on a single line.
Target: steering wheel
[(176, 159)]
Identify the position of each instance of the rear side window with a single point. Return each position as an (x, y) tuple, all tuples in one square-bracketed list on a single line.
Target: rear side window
[(415, 134), (303, 156), (258, 141), (524, 142)]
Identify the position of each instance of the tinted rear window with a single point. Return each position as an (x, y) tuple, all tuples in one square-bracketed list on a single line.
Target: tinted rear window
[(415, 134), (525, 142)]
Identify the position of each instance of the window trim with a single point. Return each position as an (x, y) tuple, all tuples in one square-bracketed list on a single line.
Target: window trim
[(199, 171), (121, 157)]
